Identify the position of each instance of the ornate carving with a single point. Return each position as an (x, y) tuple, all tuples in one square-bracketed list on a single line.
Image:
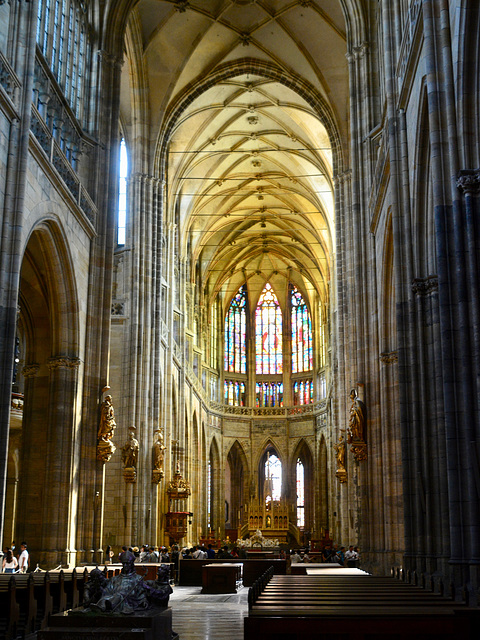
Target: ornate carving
[(30, 370), (182, 5), (178, 488), (245, 39), (359, 450), (105, 446), (130, 475), (425, 286), (389, 358), (118, 309), (468, 181), (63, 361)]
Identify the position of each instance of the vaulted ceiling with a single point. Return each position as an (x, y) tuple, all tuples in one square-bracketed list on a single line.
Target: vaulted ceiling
[(244, 103)]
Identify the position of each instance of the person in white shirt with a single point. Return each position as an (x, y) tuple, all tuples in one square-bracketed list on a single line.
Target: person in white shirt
[(295, 557), (10, 563), (24, 558)]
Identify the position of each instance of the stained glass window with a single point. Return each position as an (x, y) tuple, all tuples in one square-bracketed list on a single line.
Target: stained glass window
[(235, 333), (268, 333), (300, 494), (235, 393), (302, 355), (269, 394), (303, 392), (273, 477)]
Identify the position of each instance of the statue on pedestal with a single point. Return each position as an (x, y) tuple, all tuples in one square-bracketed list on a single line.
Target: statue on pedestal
[(356, 427), (130, 456), (158, 457), (105, 446), (341, 472)]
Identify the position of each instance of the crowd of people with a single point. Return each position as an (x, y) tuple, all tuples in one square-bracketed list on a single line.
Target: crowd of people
[(334, 554), (13, 562)]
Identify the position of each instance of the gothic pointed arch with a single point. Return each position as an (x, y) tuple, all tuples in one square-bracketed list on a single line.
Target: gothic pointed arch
[(48, 332), (236, 483)]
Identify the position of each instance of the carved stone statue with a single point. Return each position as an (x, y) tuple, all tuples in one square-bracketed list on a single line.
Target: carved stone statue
[(158, 451), (130, 450)]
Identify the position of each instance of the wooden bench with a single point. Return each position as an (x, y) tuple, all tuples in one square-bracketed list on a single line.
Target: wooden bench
[(353, 607)]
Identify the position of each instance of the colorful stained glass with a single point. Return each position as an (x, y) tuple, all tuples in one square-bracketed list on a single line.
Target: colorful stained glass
[(302, 353), (269, 394), (235, 330), (268, 333), (235, 393), (303, 392)]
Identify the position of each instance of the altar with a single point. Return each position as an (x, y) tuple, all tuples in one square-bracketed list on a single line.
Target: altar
[(269, 518)]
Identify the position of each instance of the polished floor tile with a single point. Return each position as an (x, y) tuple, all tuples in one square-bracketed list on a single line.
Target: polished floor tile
[(197, 616)]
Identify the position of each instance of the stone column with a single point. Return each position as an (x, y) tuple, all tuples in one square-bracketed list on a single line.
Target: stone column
[(12, 220)]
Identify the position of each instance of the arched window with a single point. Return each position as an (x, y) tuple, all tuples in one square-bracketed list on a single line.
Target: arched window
[(272, 489), (268, 333), (302, 355), (209, 496), (122, 194), (235, 333), (63, 38), (300, 494)]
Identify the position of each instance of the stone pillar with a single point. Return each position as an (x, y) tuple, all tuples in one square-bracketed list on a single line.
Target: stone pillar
[(12, 220)]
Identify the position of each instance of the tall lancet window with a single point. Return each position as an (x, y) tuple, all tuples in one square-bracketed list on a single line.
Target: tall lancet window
[(268, 333), (272, 489), (122, 194), (302, 354), (300, 494), (235, 333)]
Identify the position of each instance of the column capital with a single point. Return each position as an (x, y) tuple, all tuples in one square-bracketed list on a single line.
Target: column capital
[(468, 181), (63, 361)]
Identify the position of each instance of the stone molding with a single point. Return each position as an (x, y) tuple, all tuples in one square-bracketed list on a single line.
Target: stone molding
[(389, 357)]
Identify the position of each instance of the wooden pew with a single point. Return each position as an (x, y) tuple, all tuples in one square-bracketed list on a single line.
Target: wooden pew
[(307, 607), (9, 609)]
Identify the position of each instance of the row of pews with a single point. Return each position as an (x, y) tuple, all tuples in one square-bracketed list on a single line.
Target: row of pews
[(349, 606), (28, 599)]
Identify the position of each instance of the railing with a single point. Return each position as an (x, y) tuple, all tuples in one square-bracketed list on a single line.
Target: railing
[(9, 81), (298, 410), (57, 158)]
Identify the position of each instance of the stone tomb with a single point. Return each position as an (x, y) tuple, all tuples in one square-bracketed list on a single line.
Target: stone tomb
[(152, 624)]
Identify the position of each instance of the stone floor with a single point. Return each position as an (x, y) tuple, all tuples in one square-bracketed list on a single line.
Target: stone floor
[(199, 616)]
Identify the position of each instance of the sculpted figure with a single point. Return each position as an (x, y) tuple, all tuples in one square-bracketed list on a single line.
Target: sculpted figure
[(130, 450), (158, 451), (340, 449), (107, 420), (356, 422)]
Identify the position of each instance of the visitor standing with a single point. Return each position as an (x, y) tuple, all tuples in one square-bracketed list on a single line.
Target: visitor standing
[(24, 558)]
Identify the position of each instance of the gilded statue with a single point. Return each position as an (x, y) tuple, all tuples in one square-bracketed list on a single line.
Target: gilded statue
[(356, 428), (356, 422), (339, 447), (107, 420), (130, 451)]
